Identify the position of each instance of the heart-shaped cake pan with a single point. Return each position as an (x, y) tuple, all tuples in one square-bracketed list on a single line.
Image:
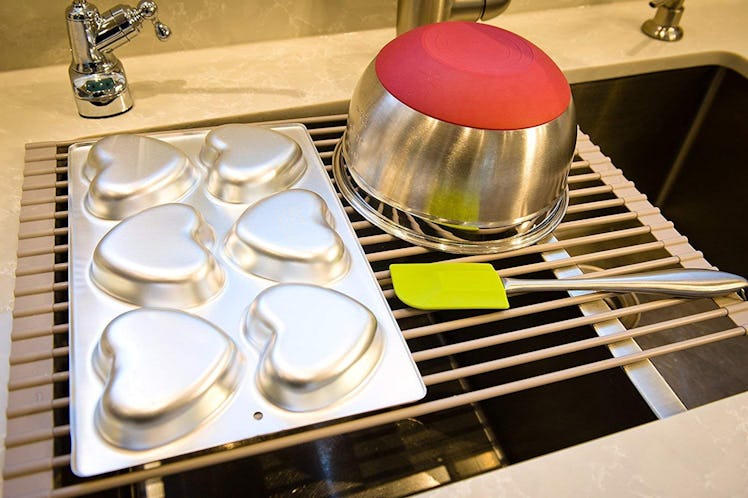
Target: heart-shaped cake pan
[(128, 173), (159, 257), (246, 163), (319, 344), (166, 372), (289, 237), (309, 357)]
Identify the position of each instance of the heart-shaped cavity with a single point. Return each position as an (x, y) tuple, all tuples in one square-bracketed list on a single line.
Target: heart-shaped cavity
[(246, 163), (159, 257), (165, 373), (289, 237), (129, 173), (316, 345)]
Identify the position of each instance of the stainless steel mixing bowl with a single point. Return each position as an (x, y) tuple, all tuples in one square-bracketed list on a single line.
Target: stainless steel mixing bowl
[(449, 186)]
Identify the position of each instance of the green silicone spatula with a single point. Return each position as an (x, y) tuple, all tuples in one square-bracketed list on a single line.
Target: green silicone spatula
[(443, 286)]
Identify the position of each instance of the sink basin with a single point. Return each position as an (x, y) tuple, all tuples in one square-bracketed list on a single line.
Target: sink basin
[(680, 136)]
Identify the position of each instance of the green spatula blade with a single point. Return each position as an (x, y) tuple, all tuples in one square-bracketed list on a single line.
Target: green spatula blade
[(443, 286)]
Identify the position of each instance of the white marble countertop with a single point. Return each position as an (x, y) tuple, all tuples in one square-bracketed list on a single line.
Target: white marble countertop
[(596, 41)]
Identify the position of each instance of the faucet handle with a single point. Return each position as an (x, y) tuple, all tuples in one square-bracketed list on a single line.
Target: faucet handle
[(148, 9), (665, 24), (162, 30)]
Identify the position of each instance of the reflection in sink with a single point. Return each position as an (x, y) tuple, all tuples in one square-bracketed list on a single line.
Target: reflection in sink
[(679, 135)]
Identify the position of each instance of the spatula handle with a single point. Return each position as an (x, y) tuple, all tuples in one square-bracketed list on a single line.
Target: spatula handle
[(680, 282)]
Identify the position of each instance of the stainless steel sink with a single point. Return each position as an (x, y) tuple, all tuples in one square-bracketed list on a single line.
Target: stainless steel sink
[(680, 136)]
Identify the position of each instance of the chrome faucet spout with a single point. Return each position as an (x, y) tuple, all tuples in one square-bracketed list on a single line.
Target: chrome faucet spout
[(664, 26), (413, 13), (98, 79)]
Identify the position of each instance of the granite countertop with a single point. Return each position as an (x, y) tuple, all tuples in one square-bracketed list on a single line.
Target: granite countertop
[(698, 452)]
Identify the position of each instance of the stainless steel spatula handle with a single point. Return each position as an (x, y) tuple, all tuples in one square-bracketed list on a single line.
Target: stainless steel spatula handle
[(680, 282)]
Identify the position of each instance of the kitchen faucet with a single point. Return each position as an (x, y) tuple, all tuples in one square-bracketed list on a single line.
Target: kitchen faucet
[(98, 78), (664, 26), (412, 13)]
